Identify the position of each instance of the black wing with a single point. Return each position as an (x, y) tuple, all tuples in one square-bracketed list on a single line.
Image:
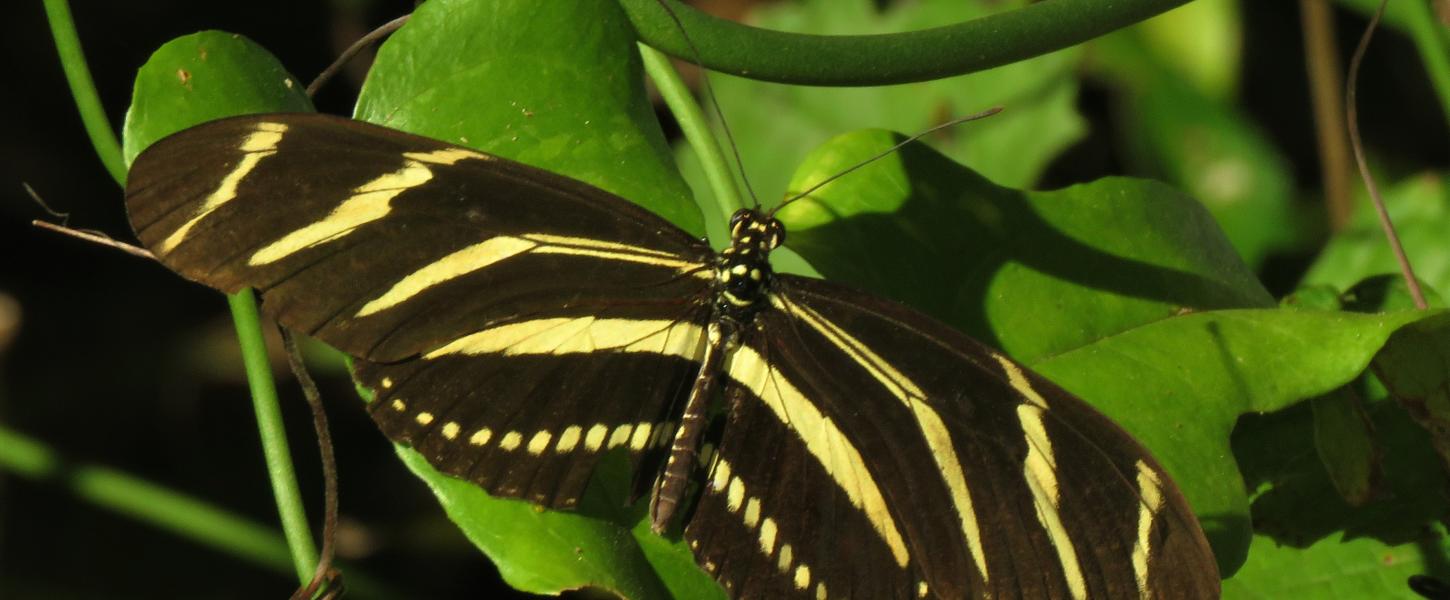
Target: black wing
[(895, 458), (430, 262)]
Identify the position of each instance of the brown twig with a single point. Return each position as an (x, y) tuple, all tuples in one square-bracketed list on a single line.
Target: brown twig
[(352, 51), (1322, 64), (1352, 117), (324, 576), (95, 238)]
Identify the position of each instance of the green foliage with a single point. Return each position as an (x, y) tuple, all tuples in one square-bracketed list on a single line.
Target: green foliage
[(1138, 296), (204, 76), (776, 126)]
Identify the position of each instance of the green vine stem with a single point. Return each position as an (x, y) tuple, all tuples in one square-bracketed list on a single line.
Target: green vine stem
[(83, 88), (243, 305), (697, 132), (274, 435), (163, 508), (858, 60), (144, 501)]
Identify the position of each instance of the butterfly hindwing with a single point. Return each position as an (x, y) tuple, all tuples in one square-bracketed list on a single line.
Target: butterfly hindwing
[(525, 409), (978, 478)]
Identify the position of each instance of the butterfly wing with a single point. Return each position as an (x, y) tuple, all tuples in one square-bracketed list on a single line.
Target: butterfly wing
[(875, 453), (463, 282)]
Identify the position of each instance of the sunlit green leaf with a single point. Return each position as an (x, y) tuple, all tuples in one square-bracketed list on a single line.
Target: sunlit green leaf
[(204, 76)]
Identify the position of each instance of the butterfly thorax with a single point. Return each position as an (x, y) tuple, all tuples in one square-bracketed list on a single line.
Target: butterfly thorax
[(742, 271)]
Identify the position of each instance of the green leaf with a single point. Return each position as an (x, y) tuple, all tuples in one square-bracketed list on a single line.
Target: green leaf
[(776, 125), (557, 85), (1344, 439), (201, 77), (577, 549), (1311, 544), (1416, 369), (1178, 385), (1420, 210), (1032, 273)]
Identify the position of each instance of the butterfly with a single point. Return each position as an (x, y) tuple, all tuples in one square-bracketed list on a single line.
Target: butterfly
[(515, 326)]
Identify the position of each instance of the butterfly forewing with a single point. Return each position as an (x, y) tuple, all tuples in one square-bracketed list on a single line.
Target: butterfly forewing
[(378, 242)]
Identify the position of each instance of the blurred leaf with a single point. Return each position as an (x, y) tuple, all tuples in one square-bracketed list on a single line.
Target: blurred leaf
[(1033, 273), (1200, 42), (776, 125), (1397, 15), (1198, 142), (201, 77), (1420, 210), (556, 85)]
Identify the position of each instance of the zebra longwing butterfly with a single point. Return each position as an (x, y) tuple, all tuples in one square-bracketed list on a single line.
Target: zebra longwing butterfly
[(515, 325)]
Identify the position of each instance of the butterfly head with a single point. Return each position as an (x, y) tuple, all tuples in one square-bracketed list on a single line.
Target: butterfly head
[(743, 272)]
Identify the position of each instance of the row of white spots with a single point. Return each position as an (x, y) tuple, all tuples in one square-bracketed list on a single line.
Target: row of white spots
[(636, 436), (722, 480)]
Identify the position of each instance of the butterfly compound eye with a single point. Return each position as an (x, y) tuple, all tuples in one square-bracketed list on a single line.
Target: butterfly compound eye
[(737, 223)]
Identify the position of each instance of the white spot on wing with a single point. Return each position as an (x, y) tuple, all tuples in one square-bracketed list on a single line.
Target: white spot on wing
[(568, 439), (480, 437), (540, 442), (735, 494), (767, 536), (641, 436), (594, 440)]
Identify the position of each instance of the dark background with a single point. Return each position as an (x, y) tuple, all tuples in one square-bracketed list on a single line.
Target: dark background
[(117, 362)]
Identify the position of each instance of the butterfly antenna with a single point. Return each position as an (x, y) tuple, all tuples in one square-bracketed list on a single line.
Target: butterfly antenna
[(714, 103), (884, 153)]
